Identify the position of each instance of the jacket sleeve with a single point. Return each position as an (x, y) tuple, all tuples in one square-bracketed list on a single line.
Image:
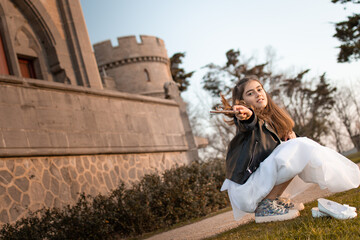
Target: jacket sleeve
[(246, 125)]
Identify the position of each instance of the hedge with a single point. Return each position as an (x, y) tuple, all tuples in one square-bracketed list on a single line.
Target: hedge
[(156, 202)]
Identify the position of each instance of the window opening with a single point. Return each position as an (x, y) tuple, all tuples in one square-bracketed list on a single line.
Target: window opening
[(147, 75), (4, 68), (27, 67)]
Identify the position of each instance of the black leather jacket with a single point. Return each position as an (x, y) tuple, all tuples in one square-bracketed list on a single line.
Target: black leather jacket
[(254, 141)]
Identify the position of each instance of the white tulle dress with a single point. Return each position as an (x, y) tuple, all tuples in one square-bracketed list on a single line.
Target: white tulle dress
[(300, 157)]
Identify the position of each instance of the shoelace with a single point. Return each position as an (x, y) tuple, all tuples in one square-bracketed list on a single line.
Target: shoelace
[(276, 206)]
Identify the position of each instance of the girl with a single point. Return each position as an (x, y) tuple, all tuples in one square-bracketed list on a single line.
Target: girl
[(265, 155)]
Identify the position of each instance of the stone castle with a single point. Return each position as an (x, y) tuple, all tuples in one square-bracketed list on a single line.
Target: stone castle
[(72, 121)]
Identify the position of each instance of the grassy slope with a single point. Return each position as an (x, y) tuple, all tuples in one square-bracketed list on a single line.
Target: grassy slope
[(305, 226)]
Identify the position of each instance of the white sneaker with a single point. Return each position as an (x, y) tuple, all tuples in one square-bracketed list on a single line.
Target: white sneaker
[(336, 210), (316, 213)]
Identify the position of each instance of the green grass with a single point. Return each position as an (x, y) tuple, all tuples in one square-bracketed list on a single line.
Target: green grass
[(305, 226), (355, 157)]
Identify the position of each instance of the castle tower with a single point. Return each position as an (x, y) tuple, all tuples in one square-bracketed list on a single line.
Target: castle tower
[(140, 68)]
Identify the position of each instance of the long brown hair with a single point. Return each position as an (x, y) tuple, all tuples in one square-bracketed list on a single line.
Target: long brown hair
[(277, 117)]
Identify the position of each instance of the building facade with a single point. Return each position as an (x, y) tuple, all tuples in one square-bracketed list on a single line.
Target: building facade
[(69, 124)]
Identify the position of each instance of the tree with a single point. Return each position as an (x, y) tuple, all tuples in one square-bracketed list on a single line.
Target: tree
[(308, 101), (308, 105), (178, 74), (348, 33), (347, 110)]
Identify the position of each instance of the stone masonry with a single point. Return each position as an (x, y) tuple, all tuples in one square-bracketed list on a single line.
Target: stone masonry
[(36, 182)]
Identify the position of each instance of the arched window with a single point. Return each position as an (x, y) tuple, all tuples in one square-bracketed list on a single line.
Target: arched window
[(147, 76), (4, 68)]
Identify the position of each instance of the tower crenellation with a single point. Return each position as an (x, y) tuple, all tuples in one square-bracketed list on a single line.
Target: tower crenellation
[(129, 47), (140, 67)]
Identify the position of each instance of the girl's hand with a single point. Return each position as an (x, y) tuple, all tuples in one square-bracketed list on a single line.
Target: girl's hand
[(291, 135), (244, 112)]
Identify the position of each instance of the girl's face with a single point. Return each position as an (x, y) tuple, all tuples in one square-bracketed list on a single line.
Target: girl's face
[(255, 95)]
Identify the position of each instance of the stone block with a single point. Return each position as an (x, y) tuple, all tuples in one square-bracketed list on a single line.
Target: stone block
[(146, 139), (15, 212), (108, 181), (25, 201), (10, 117), (88, 177), (114, 140), (98, 103), (48, 199), (54, 186), (22, 184), (30, 97), (46, 179), (100, 178), (73, 173), (29, 118), (65, 194), (43, 98), (15, 139), (58, 162), (55, 171), (79, 165), (10, 164), (14, 193), (86, 162), (93, 169), (55, 119), (132, 173), (5, 177), (88, 120), (9, 95), (104, 121), (75, 190), (141, 125), (66, 175), (114, 178), (121, 125), (38, 139), (79, 140), (2, 141), (5, 202), (100, 140), (58, 139), (4, 216), (85, 188), (130, 140), (160, 140), (157, 126), (62, 100), (37, 192)]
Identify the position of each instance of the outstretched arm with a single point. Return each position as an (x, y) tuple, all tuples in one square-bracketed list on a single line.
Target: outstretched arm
[(243, 113)]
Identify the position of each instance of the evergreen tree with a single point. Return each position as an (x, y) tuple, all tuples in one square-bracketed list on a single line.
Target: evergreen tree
[(178, 74), (348, 33)]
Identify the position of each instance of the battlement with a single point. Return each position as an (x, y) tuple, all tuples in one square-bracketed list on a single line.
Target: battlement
[(129, 47)]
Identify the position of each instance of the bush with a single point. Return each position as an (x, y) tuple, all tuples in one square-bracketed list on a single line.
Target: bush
[(179, 194)]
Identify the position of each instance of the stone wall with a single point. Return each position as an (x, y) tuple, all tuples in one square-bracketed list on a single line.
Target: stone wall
[(44, 118), (57, 141), (36, 182)]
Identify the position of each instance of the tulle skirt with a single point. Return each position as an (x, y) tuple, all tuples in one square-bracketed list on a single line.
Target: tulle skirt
[(301, 157)]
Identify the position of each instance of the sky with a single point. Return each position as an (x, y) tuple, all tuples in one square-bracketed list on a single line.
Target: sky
[(299, 32)]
